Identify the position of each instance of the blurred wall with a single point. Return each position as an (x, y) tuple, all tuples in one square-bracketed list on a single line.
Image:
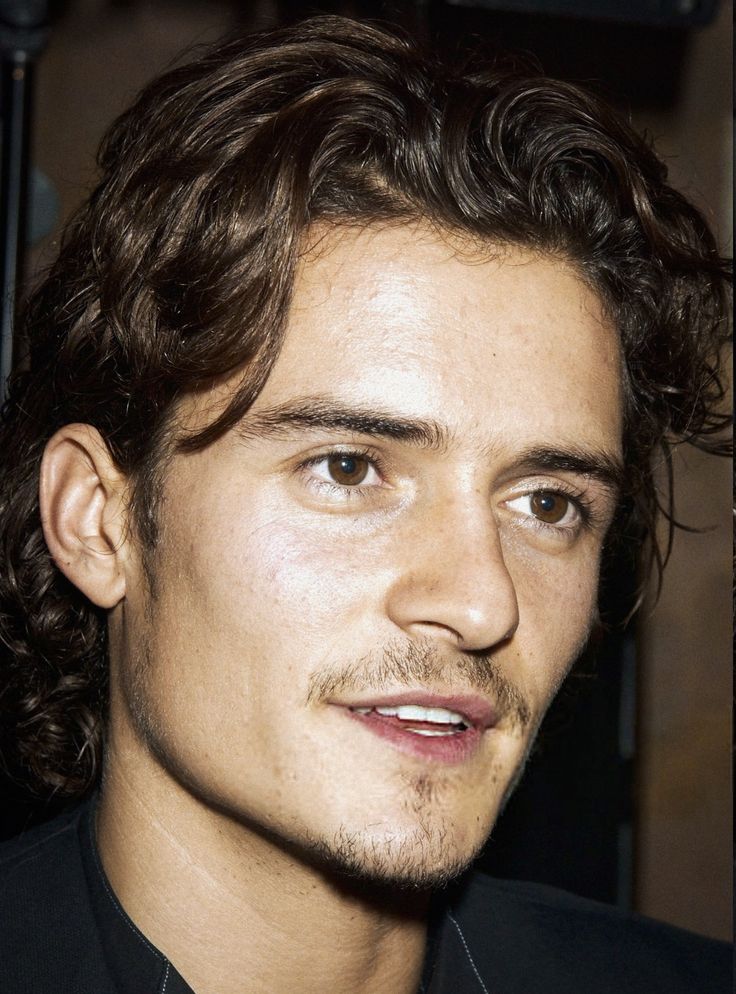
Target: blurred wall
[(684, 867)]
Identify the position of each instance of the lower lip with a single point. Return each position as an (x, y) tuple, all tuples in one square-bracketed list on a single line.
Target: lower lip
[(455, 748)]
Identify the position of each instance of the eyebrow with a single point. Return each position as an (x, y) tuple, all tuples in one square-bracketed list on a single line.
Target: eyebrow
[(607, 469), (327, 415), (323, 413)]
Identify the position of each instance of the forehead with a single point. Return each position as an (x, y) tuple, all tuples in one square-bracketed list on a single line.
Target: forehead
[(499, 343)]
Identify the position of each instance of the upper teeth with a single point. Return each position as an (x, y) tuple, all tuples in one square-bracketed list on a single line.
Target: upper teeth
[(413, 712)]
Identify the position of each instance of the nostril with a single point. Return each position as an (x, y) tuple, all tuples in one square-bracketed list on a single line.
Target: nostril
[(510, 633)]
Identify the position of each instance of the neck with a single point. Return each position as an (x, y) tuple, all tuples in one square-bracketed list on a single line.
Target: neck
[(224, 902)]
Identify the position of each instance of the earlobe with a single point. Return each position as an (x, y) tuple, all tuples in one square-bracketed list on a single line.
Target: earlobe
[(82, 497)]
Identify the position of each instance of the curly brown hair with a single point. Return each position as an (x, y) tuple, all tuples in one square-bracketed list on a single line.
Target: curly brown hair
[(178, 271)]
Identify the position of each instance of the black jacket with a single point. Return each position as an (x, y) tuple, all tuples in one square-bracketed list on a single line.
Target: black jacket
[(62, 931)]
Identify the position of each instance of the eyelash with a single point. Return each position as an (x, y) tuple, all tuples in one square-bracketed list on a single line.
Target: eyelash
[(583, 505), (345, 492)]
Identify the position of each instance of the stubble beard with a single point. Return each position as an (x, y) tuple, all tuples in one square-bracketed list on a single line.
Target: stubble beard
[(422, 858), (428, 856), (425, 858)]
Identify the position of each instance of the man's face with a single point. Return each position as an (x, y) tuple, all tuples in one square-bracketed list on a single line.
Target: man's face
[(368, 593)]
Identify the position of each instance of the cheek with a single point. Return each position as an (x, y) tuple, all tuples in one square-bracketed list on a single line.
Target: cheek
[(269, 583), (557, 605)]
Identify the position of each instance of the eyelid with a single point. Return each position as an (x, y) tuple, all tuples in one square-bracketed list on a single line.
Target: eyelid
[(561, 525), (355, 451), (587, 515), (348, 455)]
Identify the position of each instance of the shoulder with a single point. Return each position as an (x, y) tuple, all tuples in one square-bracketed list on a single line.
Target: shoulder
[(543, 938), (44, 857), (47, 929), (34, 843)]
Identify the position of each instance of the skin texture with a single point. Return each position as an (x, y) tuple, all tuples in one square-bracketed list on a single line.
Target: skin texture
[(236, 780)]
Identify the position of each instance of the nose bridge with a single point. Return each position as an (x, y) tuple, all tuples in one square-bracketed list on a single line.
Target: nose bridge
[(453, 578)]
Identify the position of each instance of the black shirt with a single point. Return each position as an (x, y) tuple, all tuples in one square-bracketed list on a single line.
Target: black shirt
[(62, 931)]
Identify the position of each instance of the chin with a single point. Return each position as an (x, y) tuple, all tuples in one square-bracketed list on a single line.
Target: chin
[(413, 861)]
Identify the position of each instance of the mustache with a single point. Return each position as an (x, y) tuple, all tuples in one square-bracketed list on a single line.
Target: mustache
[(410, 663)]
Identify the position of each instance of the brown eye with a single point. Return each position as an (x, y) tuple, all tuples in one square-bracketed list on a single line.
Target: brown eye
[(348, 470), (549, 506)]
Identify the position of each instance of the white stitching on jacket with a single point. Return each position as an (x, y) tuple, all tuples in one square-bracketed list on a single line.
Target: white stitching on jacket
[(467, 952), (166, 977)]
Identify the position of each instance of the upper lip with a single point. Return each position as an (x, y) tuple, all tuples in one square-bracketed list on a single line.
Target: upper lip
[(478, 711)]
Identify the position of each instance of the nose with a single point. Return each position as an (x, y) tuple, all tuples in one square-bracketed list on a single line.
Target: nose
[(453, 583)]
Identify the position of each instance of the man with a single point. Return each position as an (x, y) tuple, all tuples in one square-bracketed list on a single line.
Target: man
[(334, 393)]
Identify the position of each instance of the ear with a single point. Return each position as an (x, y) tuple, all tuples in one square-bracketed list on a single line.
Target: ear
[(83, 513)]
